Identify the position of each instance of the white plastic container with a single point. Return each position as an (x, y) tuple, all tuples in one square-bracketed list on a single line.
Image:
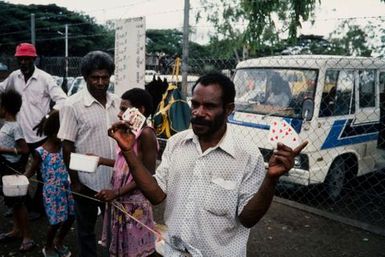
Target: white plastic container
[(15, 185), (82, 162)]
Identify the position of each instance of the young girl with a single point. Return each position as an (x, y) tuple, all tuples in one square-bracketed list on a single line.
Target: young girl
[(12, 146), (58, 201), (128, 238)]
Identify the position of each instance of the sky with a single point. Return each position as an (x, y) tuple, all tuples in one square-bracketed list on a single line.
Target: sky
[(163, 14)]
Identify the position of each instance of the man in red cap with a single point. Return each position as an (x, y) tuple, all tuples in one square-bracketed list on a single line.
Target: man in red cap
[(38, 89)]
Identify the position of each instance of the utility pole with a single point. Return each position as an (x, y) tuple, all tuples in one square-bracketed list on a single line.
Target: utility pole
[(186, 29), (33, 35), (66, 50)]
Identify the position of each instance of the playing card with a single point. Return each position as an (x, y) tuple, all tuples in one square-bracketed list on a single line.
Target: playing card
[(135, 118), (129, 114), (282, 132)]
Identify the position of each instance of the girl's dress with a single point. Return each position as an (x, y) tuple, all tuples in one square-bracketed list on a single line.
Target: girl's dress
[(128, 238), (58, 200)]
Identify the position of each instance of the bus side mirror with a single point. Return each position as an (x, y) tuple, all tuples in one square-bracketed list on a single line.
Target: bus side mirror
[(307, 109)]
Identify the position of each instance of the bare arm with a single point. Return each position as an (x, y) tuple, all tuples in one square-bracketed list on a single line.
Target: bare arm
[(68, 148), (280, 163), (106, 162), (34, 166), (21, 148)]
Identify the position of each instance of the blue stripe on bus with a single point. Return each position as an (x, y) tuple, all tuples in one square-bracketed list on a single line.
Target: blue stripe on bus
[(247, 124), (295, 123), (344, 133)]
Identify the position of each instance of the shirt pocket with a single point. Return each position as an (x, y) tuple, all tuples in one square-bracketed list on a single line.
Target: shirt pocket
[(221, 197), (35, 96)]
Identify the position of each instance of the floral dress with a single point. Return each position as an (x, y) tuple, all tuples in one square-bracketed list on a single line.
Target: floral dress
[(128, 238), (58, 200)]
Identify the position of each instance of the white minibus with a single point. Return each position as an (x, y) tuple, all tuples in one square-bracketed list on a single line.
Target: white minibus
[(334, 102)]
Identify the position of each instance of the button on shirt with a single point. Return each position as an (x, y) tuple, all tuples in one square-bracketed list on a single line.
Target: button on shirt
[(207, 191), (36, 93), (84, 121)]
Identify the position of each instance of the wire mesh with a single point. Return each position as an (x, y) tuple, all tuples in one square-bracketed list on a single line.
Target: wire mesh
[(336, 103)]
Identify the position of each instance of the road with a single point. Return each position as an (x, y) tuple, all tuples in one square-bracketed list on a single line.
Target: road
[(283, 232)]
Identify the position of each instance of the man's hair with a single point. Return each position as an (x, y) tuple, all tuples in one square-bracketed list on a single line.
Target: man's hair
[(11, 101), (96, 60), (51, 124), (139, 97), (216, 78)]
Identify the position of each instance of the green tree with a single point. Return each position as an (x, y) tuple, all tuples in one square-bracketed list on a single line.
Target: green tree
[(84, 33), (252, 25), (351, 39), (169, 42)]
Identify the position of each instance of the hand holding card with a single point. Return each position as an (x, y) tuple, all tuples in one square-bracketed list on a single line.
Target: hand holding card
[(135, 118), (282, 132)]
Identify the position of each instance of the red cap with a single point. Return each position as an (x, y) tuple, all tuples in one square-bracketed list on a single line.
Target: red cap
[(25, 49)]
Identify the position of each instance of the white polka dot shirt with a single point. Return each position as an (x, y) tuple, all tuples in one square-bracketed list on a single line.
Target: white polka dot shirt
[(207, 191)]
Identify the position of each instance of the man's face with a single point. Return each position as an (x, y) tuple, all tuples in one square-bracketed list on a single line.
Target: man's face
[(26, 64), (98, 81), (208, 113)]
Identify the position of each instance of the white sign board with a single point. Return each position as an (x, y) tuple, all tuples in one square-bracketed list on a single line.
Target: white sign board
[(130, 54)]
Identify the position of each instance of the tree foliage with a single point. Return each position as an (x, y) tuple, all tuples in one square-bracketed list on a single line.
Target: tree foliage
[(258, 24), (169, 42), (84, 34), (350, 39)]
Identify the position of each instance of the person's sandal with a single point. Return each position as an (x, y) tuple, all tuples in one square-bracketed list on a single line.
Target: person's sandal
[(63, 251), (49, 254), (27, 246)]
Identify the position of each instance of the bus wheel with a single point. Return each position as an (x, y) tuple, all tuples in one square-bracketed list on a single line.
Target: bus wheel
[(336, 179)]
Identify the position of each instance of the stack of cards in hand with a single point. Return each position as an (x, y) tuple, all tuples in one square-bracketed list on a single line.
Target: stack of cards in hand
[(135, 118), (282, 132)]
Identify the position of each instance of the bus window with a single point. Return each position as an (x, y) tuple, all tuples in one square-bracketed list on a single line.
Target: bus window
[(367, 92), (344, 99), (337, 93), (329, 93)]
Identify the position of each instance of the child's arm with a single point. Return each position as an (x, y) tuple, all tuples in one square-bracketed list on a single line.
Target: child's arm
[(106, 162), (108, 195), (21, 148), (103, 161), (34, 166)]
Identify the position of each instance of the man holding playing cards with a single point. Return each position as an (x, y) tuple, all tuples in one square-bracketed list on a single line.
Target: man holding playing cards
[(213, 181)]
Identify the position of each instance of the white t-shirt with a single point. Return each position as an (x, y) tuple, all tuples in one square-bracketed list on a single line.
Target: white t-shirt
[(10, 132)]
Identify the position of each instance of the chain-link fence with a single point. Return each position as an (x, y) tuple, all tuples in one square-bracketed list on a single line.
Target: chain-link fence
[(335, 103)]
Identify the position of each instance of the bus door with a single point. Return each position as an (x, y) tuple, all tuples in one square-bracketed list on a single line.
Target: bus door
[(381, 87)]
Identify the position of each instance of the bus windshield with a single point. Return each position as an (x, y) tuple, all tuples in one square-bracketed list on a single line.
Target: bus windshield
[(274, 91)]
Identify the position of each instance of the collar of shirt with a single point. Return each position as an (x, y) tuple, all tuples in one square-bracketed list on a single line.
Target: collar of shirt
[(89, 99), (35, 74), (226, 143)]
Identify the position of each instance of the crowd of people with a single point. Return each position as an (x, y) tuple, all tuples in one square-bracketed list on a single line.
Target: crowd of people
[(213, 182)]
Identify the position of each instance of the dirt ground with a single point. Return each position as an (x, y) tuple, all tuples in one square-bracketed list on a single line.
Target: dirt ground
[(283, 232)]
